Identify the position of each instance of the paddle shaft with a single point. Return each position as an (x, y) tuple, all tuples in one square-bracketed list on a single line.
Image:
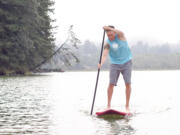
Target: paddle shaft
[(98, 74)]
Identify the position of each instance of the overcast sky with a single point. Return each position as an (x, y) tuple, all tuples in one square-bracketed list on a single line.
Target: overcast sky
[(152, 20)]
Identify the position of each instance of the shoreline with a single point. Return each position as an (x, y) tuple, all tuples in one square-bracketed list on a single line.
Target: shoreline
[(53, 71), (27, 73)]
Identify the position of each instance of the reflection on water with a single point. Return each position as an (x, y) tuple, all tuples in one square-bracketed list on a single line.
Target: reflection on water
[(59, 104), (114, 127)]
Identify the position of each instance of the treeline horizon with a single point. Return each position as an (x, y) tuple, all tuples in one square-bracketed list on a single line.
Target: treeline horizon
[(146, 56)]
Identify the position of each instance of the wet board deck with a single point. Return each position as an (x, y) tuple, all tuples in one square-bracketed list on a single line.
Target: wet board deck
[(112, 112)]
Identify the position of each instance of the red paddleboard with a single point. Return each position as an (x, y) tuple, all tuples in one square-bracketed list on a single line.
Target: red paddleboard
[(112, 112)]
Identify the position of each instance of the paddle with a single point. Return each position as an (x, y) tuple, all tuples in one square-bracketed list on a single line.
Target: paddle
[(98, 74)]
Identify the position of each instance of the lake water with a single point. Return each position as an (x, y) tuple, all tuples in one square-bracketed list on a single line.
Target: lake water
[(60, 103)]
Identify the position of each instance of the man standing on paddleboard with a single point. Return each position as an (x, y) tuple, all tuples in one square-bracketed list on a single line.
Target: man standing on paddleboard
[(120, 59)]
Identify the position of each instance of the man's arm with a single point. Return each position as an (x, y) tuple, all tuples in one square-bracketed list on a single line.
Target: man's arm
[(118, 32), (104, 55)]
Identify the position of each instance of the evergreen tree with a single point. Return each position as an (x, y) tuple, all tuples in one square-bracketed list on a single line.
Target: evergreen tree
[(25, 33)]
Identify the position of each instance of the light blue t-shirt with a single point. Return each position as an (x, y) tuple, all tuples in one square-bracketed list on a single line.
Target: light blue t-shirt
[(119, 52)]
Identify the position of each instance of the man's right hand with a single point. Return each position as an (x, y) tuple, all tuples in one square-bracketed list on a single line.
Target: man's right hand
[(107, 28)]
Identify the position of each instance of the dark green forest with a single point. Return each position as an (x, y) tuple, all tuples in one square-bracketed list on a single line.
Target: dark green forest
[(25, 34)]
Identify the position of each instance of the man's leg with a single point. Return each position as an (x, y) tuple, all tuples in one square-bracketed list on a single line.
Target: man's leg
[(127, 79), (110, 93), (114, 75), (128, 94)]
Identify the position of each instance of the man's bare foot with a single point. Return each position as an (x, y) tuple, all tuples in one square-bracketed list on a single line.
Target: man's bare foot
[(127, 110), (108, 107)]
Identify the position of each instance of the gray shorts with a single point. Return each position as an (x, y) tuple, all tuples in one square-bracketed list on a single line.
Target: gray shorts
[(125, 69)]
